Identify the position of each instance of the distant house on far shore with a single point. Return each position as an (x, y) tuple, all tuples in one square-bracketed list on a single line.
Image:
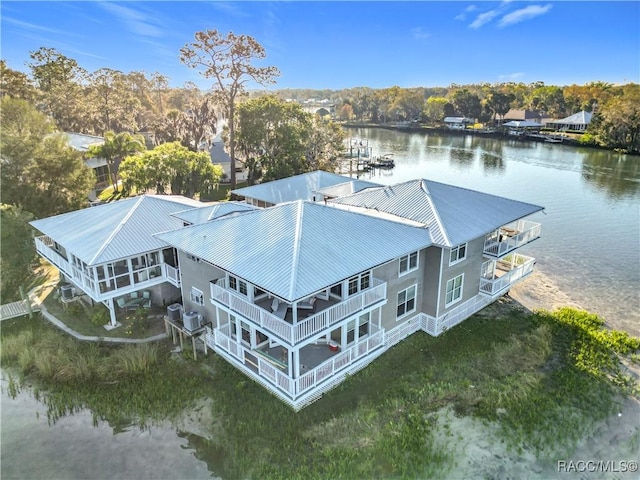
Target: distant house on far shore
[(578, 121), (522, 116), (458, 123)]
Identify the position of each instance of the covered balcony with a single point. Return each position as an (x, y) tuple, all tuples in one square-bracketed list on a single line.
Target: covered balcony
[(510, 237), (109, 280), (499, 275), (272, 366), (300, 320)]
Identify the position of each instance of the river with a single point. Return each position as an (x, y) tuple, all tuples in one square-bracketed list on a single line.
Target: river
[(590, 242)]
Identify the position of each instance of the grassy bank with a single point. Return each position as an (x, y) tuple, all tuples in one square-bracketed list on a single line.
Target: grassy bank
[(545, 379)]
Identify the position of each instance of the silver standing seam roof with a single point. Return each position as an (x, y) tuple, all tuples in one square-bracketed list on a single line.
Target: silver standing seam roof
[(296, 249), (210, 212), (346, 188), (454, 215), (115, 230), (298, 187)]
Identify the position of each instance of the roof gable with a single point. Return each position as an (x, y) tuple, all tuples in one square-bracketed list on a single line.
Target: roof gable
[(210, 212)]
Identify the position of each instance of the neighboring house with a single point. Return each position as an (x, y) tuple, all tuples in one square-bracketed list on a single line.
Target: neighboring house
[(522, 115), (308, 186), (82, 142), (522, 127), (458, 123), (306, 292), (578, 121), (108, 251), (302, 294)]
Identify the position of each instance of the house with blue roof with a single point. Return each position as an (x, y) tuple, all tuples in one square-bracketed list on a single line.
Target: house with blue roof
[(312, 288)]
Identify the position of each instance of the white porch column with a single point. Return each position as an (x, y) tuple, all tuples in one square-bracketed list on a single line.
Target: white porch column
[(290, 362), (112, 312), (296, 356)]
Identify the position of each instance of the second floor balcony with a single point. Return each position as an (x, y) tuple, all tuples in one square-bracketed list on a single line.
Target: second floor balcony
[(510, 237), (109, 280), (295, 323)]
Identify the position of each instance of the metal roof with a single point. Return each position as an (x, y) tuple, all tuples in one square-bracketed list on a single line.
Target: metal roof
[(298, 187), (581, 118), (296, 249), (81, 141), (453, 214), (210, 212), (346, 188), (115, 230)]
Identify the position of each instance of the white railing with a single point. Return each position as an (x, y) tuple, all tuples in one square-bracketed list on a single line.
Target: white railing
[(307, 327), (339, 361), (510, 237), (44, 246), (494, 286), (172, 274), (277, 378)]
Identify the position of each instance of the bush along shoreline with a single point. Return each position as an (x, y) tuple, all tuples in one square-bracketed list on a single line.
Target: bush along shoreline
[(545, 379)]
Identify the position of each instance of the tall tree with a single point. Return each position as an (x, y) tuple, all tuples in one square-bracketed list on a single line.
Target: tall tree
[(114, 149), (40, 173), (17, 251), (171, 166), (617, 123), (16, 84), (499, 103), (59, 79), (466, 103), (228, 60), (272, 137), (113, 103)]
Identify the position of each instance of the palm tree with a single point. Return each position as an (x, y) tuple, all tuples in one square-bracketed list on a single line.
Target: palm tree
[(115, 148)]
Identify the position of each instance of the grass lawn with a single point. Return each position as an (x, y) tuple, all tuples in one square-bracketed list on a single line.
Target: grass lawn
[(545, 379), (221, 193), (90, 320)]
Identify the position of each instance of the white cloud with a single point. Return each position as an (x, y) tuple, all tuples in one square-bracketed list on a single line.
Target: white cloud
[(483, 19), (511, 77), (523, 14), (462, 16), (137, 22), (418, 34)]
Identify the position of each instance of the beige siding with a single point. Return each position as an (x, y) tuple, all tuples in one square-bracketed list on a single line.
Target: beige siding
[(470, 266), (431, 277)]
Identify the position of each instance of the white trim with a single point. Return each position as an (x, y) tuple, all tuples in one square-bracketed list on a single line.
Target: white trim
[(459, 297), (415, 301), (196, 296), (457, 248), (408, 257)]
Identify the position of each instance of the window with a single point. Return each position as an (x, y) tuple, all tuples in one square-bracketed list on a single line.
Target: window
[(197, 296), (408, 263), (359, 283), (458, 254), (238, 285), (406, 301), (454, 290), (363, 324)]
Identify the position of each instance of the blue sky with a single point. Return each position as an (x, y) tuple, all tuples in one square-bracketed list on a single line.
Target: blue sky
[(346, 44)]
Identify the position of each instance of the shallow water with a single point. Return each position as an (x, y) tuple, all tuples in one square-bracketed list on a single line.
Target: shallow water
[(590, 243)]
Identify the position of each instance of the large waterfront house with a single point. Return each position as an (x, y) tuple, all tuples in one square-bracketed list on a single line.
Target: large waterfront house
[(304, 292)]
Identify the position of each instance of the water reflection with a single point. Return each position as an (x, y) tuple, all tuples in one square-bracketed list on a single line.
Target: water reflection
[(617, 175), (79, 446)]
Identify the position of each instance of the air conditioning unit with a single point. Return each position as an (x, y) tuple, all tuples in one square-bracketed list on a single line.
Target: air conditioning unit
[(191, 320), (66, 291), (174, 312)]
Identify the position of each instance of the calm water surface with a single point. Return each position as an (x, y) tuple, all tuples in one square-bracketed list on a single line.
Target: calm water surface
[(590, 246)]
